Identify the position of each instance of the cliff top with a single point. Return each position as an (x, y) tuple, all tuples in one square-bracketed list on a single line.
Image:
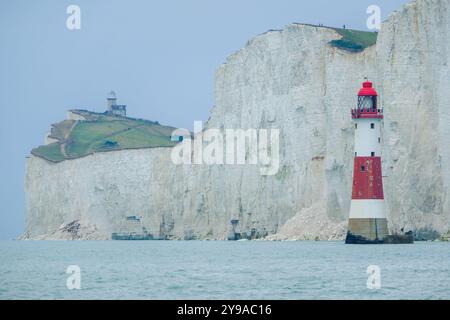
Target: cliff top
[(352, 40), (97, 132)]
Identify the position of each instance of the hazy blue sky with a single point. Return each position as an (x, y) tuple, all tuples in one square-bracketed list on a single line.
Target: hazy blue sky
[(159, 57)]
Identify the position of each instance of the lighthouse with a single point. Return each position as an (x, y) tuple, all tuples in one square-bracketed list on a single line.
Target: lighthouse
[(367, 219)]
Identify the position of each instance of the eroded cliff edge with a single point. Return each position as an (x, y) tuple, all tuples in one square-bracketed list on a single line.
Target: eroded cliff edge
[(295, 81)]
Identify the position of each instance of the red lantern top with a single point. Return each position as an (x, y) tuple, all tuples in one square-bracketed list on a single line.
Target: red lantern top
[(367, 90)]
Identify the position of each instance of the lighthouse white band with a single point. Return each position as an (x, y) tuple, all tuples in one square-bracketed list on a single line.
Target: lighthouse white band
[(367, 208), (368, 137)]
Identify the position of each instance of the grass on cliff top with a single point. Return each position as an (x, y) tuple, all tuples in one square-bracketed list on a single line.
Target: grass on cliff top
[(59, 130), (104, 133), (50, 152), (354, 40)]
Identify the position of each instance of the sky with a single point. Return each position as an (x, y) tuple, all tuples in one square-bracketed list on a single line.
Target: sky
[(158, 56)]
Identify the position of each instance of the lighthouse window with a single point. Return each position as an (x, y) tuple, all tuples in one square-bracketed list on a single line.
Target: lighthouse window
[(366, 103), (356, 126), (372, 154), (379, 140), (363, 168), (372, 126)]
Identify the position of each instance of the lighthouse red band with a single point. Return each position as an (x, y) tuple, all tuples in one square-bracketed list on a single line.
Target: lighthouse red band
[(367, 220)]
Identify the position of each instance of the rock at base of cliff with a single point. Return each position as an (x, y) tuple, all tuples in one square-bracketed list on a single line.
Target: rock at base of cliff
[(74, 230), (311, 224)]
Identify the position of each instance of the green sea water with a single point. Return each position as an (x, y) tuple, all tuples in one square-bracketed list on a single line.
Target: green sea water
[(222, 270)]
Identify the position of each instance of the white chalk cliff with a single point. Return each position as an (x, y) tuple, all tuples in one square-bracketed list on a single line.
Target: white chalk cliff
[(295, 81)]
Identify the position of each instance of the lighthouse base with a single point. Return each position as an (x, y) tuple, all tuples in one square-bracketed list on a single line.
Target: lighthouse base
[(373, 231)]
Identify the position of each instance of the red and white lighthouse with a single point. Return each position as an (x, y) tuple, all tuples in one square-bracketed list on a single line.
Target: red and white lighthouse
[(367, 220)]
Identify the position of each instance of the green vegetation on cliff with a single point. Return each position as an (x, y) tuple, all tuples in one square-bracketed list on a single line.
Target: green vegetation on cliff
[(50, 152), (354, 40), (99, 133)]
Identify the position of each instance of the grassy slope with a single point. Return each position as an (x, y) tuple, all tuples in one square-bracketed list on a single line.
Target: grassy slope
[(50, 152), (354, 40), (103, 133), (60, 130)]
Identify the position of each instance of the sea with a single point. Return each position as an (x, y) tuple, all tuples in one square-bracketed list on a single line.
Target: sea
[(223, 270)]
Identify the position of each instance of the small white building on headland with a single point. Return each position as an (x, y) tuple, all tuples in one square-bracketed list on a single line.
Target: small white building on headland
[(114, 108)]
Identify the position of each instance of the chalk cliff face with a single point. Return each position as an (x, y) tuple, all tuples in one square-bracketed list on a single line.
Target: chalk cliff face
[(292, 80), (412, 59)]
